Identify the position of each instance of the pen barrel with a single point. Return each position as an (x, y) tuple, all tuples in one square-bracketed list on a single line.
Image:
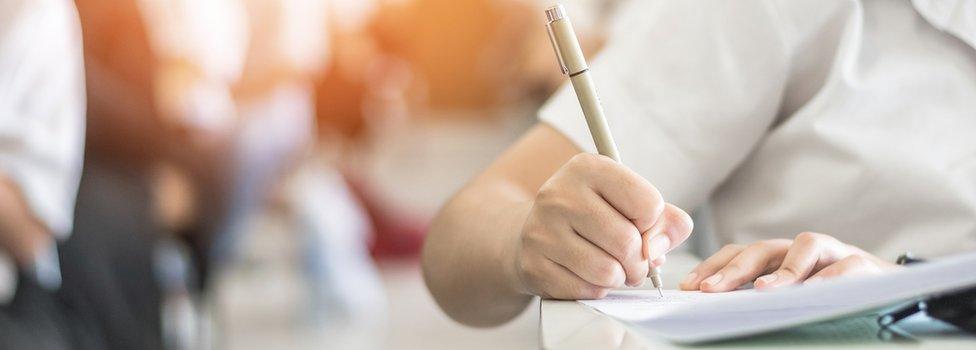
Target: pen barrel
[(568, 46), (593, 112), (571, 57), (655, 277), (573, 63)]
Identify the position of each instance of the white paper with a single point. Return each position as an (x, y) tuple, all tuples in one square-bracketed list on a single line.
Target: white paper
[(635, 305), (701, 318)]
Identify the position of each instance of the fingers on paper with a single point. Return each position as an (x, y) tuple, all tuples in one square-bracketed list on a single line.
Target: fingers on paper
[(809, 253), (710, 266), (754, 260)]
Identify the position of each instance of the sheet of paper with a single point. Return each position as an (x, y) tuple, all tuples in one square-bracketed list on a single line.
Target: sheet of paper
[(641, 304), (742, 314)]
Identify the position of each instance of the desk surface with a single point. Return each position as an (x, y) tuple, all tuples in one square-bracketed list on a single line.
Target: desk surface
[(571, 325)]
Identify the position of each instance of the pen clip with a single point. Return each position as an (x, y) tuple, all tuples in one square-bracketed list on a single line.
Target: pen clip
[(555, 48)]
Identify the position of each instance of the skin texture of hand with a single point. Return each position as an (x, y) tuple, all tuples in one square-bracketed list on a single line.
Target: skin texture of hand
[(808, 258), (545, 220), (595, 225)]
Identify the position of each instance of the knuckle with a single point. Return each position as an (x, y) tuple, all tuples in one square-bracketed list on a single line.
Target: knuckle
[(557, 205), (550, 200), (631, 180), (857, 259), (637, 270), (758, 246), (733, 247), (657, 205), (790, 269), (809, 237), (586, 161), (635, 244), (547, 192), (627, 244), (708, 266), (603, 272), (763, 246)]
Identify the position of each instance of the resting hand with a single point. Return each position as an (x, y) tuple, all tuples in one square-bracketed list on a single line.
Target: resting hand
[(594, 225), (808, 258)]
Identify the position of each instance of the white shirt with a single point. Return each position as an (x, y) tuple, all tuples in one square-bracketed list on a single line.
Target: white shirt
[(850, 118), (42, 110)]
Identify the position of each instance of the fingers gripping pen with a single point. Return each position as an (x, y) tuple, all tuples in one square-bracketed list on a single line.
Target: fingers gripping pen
[(573, 64)]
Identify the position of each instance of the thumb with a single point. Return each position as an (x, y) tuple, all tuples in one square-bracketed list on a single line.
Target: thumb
[(672, 229)]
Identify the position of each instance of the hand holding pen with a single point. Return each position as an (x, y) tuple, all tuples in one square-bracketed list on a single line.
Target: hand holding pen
[(595, 224)]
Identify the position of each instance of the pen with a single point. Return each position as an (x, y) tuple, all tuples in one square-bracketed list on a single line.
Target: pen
[(573, 63)]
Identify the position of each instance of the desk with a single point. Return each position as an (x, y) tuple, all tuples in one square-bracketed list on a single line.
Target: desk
[(571, 325)]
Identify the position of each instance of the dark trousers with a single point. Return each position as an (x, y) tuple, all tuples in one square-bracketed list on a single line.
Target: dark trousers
[(109, 298), (34, 319), (107, 263)]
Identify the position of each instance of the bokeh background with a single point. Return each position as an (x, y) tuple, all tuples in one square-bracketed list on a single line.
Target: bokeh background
[(281, 159)]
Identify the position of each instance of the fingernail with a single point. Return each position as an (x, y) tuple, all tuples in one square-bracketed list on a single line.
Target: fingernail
[(715, 279), (812, 280), (690, 278), (658, 246), (767, 279)]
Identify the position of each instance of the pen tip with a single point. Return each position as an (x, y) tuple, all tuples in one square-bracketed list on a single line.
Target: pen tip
[(660, 292)]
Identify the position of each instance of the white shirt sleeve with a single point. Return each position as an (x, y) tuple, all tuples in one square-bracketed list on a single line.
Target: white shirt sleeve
[(42, 106), (689, 88)]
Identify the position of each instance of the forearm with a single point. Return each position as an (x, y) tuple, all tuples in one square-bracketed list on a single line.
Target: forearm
[(468, 258)]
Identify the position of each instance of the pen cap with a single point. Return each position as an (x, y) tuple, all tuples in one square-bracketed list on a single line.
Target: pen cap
[(564, 39)]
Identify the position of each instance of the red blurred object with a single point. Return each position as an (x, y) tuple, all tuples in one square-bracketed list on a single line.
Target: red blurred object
[(396, 233)]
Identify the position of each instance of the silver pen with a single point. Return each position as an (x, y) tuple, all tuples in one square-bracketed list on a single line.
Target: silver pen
[(573, 64)]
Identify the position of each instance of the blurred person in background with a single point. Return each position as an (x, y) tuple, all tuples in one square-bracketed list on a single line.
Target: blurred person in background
[(159, 114), (220, 113), (330, 220), (42, 108), (197, 107), (109, 262), (186, 142), (199, 50)]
